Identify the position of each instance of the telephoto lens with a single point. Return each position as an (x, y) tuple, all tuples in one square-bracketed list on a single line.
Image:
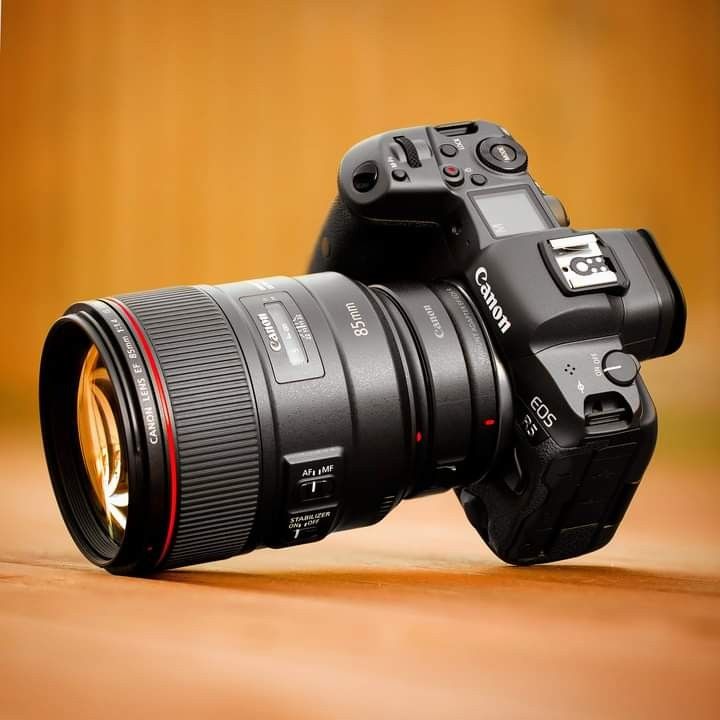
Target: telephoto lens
[(191, 424)]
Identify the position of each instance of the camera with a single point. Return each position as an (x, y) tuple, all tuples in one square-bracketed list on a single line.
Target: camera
[(569, 314), (454, 334)]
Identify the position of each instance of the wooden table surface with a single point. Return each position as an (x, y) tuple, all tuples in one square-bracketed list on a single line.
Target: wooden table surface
[(413, 618)]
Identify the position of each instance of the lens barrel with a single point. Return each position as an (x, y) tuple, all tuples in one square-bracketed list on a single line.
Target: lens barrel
[(269, 412)]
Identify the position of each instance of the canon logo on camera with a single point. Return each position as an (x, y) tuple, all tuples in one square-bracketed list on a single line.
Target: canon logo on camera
[(502, 320)]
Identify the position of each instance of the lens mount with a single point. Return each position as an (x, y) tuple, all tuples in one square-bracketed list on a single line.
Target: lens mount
[(461, 395)]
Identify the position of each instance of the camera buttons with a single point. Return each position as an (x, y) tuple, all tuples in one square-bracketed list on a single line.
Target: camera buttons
[(453, 175), (478, 179), (399, 175), (502, 153), (448, 150), (365, 176), (620, 368)]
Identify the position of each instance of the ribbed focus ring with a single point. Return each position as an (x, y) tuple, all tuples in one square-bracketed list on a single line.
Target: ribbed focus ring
[(218, 445)]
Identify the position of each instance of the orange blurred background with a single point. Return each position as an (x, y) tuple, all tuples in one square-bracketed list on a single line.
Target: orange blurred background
[(153, 143)]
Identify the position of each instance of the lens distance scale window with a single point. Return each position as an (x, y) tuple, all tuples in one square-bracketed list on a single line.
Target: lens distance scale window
[(286, 336)]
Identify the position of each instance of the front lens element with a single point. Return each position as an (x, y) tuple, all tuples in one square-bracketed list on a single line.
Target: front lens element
[(101, 446)]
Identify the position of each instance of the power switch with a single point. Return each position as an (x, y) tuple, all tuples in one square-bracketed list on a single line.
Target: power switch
[(313, 476), (620, 368)]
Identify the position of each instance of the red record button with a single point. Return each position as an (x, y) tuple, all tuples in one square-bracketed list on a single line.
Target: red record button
[(453, 175)]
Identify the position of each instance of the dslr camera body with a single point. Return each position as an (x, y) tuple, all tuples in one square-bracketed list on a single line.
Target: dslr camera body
[(568, 313)]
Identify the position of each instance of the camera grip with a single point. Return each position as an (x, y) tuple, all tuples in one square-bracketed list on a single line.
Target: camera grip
[(377, 250), (569, 500)]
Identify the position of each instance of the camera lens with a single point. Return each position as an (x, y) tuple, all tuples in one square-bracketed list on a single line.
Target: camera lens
[(101, 446), (190, 424)]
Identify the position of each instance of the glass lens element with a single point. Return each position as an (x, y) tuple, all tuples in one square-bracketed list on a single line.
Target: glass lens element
[(102, 449)]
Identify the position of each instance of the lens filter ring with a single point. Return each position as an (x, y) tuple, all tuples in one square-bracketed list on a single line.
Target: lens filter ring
[(89, 336)]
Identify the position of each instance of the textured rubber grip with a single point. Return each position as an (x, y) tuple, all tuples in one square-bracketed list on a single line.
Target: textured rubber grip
[(215, 421), (571, 499), (377, 251)]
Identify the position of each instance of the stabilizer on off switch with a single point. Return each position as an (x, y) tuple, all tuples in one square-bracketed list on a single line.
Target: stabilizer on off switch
[(310, 525), (312, 480)]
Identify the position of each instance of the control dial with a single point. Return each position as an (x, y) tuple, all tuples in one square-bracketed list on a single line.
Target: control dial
[(502, 154), (558, 210)]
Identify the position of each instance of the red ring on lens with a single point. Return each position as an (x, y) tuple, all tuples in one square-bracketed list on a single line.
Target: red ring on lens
[(165, 408)]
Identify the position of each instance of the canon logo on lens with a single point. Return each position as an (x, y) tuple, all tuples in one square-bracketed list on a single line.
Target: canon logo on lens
[(270, 331), (437, 327)]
